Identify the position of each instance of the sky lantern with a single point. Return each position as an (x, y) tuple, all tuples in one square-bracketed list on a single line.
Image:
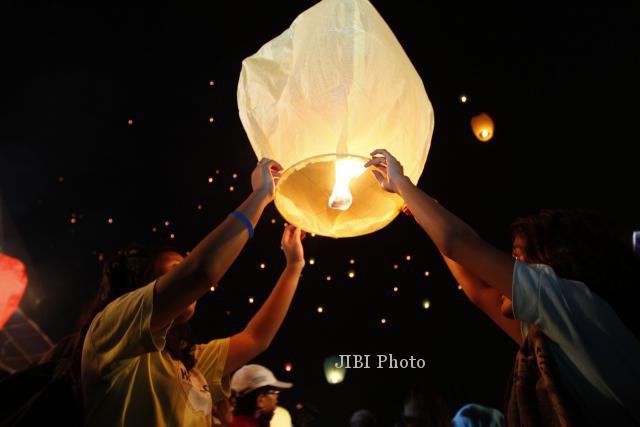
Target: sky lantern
[(482, 126), (319, 98), (13, 282)]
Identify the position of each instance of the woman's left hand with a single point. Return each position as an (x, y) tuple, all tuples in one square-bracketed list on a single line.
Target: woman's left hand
[(291, 244)]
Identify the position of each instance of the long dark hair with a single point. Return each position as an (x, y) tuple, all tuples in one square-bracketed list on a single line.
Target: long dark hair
[(581, 245), (127, 270)]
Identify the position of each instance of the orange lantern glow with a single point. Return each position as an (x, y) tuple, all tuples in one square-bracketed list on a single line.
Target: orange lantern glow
[(483, 127), (13, 282)]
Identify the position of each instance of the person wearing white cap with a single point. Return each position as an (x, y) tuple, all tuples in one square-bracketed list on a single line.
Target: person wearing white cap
[(258, 391)]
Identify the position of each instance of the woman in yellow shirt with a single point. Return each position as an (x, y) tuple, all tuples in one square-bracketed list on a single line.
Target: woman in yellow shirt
[(138, 367)]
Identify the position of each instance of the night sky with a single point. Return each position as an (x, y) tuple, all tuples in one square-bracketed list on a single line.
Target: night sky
[(561, 84)]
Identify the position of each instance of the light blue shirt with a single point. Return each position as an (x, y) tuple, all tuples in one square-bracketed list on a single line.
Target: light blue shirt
[(597, 357), (474, 415)]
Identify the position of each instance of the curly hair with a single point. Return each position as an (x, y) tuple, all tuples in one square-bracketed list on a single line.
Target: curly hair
[(581, 245)]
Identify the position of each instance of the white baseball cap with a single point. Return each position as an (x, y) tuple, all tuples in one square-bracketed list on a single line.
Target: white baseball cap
[(252, 377)]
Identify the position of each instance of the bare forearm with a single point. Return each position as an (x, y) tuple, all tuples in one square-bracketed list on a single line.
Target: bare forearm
[(485, 298), (266, 322), (206, 264), (442, 226), (215, 254), (457, 241), (470, 284)]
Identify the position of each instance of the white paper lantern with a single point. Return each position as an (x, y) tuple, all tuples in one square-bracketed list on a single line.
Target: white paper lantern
[(318, 99)]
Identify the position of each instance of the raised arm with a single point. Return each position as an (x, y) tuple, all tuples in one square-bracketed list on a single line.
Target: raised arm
[(259, 332), (485, 298), (454, 239), (206, 264)]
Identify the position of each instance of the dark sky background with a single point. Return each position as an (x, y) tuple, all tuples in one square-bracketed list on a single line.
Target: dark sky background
[(561, 83)]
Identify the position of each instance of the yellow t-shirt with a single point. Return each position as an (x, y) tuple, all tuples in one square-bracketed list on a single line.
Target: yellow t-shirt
[(129, 380)]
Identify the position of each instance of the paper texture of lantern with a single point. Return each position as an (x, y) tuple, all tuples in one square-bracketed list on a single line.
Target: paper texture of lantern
[(482, 126), (319, 99)]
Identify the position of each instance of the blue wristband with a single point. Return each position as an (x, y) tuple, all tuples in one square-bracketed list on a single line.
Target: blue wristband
[(242, 217)]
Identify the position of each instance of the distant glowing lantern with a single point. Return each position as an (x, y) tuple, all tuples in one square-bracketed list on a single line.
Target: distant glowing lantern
[(333, 373), (319, 99), (13, 282), (426, 303), (482, 126), (288, 366)]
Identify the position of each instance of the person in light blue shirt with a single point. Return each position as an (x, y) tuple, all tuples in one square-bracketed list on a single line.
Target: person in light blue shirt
[(572, 280)]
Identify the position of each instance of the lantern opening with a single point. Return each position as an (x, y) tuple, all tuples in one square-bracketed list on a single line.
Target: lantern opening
[(305, 189), (346, 170)]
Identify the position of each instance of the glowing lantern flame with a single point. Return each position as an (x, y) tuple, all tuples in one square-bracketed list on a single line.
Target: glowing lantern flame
[(483, 127), (334, 377), (346, 170)]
